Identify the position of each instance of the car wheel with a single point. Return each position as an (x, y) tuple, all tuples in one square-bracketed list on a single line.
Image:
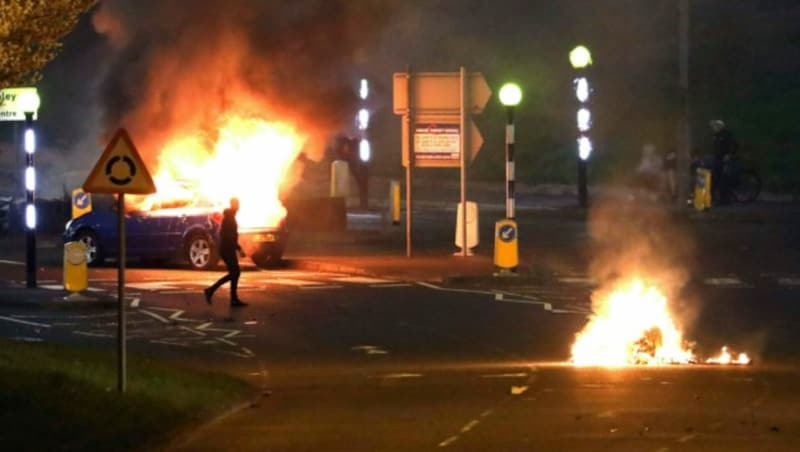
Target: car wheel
[(93, 254), (200, 252)]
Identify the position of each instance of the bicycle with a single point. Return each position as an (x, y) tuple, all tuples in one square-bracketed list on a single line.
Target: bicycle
[(742, 177)]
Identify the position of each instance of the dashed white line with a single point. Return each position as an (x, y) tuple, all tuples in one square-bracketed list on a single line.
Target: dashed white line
[(135, 303), (24, 322), (508, 375), (449, 441), (470, 425), (398, 376), (322, 286), (9, 262), (91, 334)]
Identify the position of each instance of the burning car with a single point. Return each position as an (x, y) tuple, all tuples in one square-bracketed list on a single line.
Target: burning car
[(184, 230)]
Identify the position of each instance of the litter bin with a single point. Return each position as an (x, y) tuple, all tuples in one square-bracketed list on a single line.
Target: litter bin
[(76, 274)]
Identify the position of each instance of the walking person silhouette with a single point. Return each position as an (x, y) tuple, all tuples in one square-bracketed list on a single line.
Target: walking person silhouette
[(228, 249)]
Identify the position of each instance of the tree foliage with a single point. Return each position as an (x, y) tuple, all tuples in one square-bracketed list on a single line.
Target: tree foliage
[(31, 33)]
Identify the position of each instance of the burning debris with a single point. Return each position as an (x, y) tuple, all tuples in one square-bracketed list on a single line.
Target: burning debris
[(640, 258), (632, 325)]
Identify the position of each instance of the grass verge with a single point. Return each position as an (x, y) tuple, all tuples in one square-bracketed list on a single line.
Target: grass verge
[(58, 398)]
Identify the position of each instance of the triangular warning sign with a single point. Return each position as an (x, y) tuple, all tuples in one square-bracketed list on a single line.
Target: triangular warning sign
[(120, 169)]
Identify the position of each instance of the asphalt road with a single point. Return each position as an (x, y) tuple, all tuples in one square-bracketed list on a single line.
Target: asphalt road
[(354, 363)]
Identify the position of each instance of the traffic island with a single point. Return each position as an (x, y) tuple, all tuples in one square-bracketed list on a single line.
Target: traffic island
[(60, 398)]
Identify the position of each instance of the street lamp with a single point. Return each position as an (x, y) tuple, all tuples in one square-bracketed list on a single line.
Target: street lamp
[(364, 146), (506, 250), (510, 97), (580, 58), (29, 103)]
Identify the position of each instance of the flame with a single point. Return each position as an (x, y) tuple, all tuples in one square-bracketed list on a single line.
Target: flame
[(632, 325), (725, 357), (245, 157)]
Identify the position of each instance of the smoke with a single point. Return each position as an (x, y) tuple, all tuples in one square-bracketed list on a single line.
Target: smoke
[(179, 66), (642, 241)]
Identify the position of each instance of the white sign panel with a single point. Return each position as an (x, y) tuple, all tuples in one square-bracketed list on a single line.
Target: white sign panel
[(437, 142)]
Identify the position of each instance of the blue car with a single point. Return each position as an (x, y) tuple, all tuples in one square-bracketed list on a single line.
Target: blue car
[(188, 232)]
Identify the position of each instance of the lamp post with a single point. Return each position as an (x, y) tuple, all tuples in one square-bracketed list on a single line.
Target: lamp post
[(510, 97), (364, 147), (29, 103), (581, 59), (506, 252)]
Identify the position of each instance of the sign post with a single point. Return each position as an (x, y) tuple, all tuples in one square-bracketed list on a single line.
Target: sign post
[(437, 129), (120, 170)]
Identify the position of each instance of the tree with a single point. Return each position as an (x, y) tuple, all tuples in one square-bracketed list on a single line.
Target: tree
[(31, 33)]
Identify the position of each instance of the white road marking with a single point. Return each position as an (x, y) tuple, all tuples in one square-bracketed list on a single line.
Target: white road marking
[(193, 331), (398, 376), (487, 413), (24, 322), (382, 286), (326, 286), (91, 334), (27, 339), (292, 282), (731, 282), (449, 441), (155, 285), (369, 350), (154, 315), (9, 262), (508, 375), (789, 281), (135, 303), (205, 327), (470, 425), (225, 341), (360, 280)]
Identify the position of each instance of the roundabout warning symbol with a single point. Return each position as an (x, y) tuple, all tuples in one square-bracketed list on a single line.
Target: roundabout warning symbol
[(120, 169)]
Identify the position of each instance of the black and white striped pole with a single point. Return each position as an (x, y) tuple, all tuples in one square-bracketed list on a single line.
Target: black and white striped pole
[(510, 97), (29, 103), (506, 249), (364, 147), (581, 59)]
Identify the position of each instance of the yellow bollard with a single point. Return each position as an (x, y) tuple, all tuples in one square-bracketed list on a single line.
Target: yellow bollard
[(506, 253), (76, 274), (394, 197), (702, 190)]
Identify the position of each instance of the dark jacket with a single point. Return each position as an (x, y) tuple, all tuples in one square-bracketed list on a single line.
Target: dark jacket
[(724, 144), (228, 234)]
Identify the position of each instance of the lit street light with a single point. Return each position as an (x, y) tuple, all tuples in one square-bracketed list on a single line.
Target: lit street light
[(506, 250), (510, 97), (580, 58), (29, 103)]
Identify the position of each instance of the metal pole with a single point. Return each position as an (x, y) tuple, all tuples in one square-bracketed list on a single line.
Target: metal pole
[(409, 119), (583, 193), (510, 173), (684, 128), (463, 151), (30, 203), (121, 355)]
